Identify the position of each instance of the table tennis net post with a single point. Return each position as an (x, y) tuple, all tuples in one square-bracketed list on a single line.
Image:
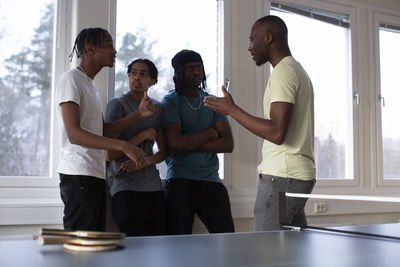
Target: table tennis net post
[(282, 208), (284, 195)]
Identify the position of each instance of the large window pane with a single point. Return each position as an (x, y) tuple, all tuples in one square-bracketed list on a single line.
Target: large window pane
[(26, 39), (389, 43), (323, 50), (157, 30)]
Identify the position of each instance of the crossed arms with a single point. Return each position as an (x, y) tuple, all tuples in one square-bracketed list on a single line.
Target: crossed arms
[(214, 140)]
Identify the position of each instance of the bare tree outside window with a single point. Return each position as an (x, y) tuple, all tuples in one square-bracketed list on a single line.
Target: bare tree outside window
[(25, 84), (389, 42)]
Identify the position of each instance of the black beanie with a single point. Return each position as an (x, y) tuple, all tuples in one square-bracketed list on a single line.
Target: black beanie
[(185, 56)]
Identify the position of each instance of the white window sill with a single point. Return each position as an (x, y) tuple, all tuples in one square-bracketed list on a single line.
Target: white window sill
[(22, 211)]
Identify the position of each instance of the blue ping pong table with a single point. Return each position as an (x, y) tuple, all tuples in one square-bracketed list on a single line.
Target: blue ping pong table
[(306, 248)]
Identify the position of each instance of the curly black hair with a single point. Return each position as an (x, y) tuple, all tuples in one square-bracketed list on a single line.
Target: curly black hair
[(153, 72)]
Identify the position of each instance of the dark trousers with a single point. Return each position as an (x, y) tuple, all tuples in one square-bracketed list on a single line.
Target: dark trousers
[(139, 213), (209, 200), (84, 200)]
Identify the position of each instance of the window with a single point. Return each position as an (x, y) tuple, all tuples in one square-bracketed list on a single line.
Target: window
[(26, 50), (158, 35), (31, 62), (35, 199), (320, 41), (389, 43)]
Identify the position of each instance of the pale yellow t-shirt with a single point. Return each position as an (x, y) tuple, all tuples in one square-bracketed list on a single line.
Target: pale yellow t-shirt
[(295, 157)]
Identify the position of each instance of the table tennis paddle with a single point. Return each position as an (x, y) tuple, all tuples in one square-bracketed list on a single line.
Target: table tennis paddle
[(85, 234), (81, 240)]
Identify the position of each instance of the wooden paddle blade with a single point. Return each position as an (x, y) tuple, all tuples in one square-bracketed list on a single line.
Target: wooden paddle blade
[(80, 248), (53, 239), (85, 234)]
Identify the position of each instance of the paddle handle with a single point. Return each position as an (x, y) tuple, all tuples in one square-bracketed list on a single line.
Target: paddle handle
[(53, 240), (60, 232)]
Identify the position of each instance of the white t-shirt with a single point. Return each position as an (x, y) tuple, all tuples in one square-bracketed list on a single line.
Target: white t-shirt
[(294, 158), (75, 86)]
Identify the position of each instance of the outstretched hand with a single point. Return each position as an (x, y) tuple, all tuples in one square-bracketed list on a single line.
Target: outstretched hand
[(146, 106), (223, 105)]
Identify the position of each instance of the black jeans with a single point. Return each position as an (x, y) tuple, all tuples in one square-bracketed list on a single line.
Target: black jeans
[(139, 213), (84, 200), (209, 200)]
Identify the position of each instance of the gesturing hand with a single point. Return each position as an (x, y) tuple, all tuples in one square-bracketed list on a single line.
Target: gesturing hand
[(130, 166), (223, 105), (134, 153), (146, 107)]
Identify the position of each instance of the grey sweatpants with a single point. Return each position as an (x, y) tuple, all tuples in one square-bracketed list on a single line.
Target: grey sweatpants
[(266, 209)]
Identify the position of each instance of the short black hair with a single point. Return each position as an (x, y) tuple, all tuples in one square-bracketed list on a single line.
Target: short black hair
[(153, 72), (278, 23), (93, 36)]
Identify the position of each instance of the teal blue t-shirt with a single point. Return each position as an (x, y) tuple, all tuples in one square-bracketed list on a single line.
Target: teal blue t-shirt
[(195, 165)]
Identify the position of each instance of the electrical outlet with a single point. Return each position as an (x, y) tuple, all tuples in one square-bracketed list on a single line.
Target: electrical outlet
[(320, 207)]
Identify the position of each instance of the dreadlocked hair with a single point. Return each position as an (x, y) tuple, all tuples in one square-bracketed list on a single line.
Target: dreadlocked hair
[(179, 77), (92, 36)]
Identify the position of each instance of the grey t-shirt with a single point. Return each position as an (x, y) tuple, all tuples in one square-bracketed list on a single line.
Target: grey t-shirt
[(147, 178)]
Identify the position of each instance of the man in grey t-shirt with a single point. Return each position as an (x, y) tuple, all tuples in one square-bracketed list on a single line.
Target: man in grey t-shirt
[(138, 201)]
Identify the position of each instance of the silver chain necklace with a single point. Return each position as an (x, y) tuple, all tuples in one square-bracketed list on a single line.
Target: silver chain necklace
[(194, 108)]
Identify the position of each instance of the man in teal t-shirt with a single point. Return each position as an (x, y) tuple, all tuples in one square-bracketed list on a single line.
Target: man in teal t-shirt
[(194, 134)]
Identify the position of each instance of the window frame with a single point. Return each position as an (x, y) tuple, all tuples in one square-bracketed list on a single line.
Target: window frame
[(36, 199), (365, 79), (351, 12), (47, 181), (222, 72), (378, 19), (364, 25)]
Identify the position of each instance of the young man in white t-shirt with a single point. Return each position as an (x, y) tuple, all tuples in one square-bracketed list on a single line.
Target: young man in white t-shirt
[(287, 127), (82, 133)]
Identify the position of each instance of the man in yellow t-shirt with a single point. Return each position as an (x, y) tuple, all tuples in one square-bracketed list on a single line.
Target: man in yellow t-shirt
[(287, 127)]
